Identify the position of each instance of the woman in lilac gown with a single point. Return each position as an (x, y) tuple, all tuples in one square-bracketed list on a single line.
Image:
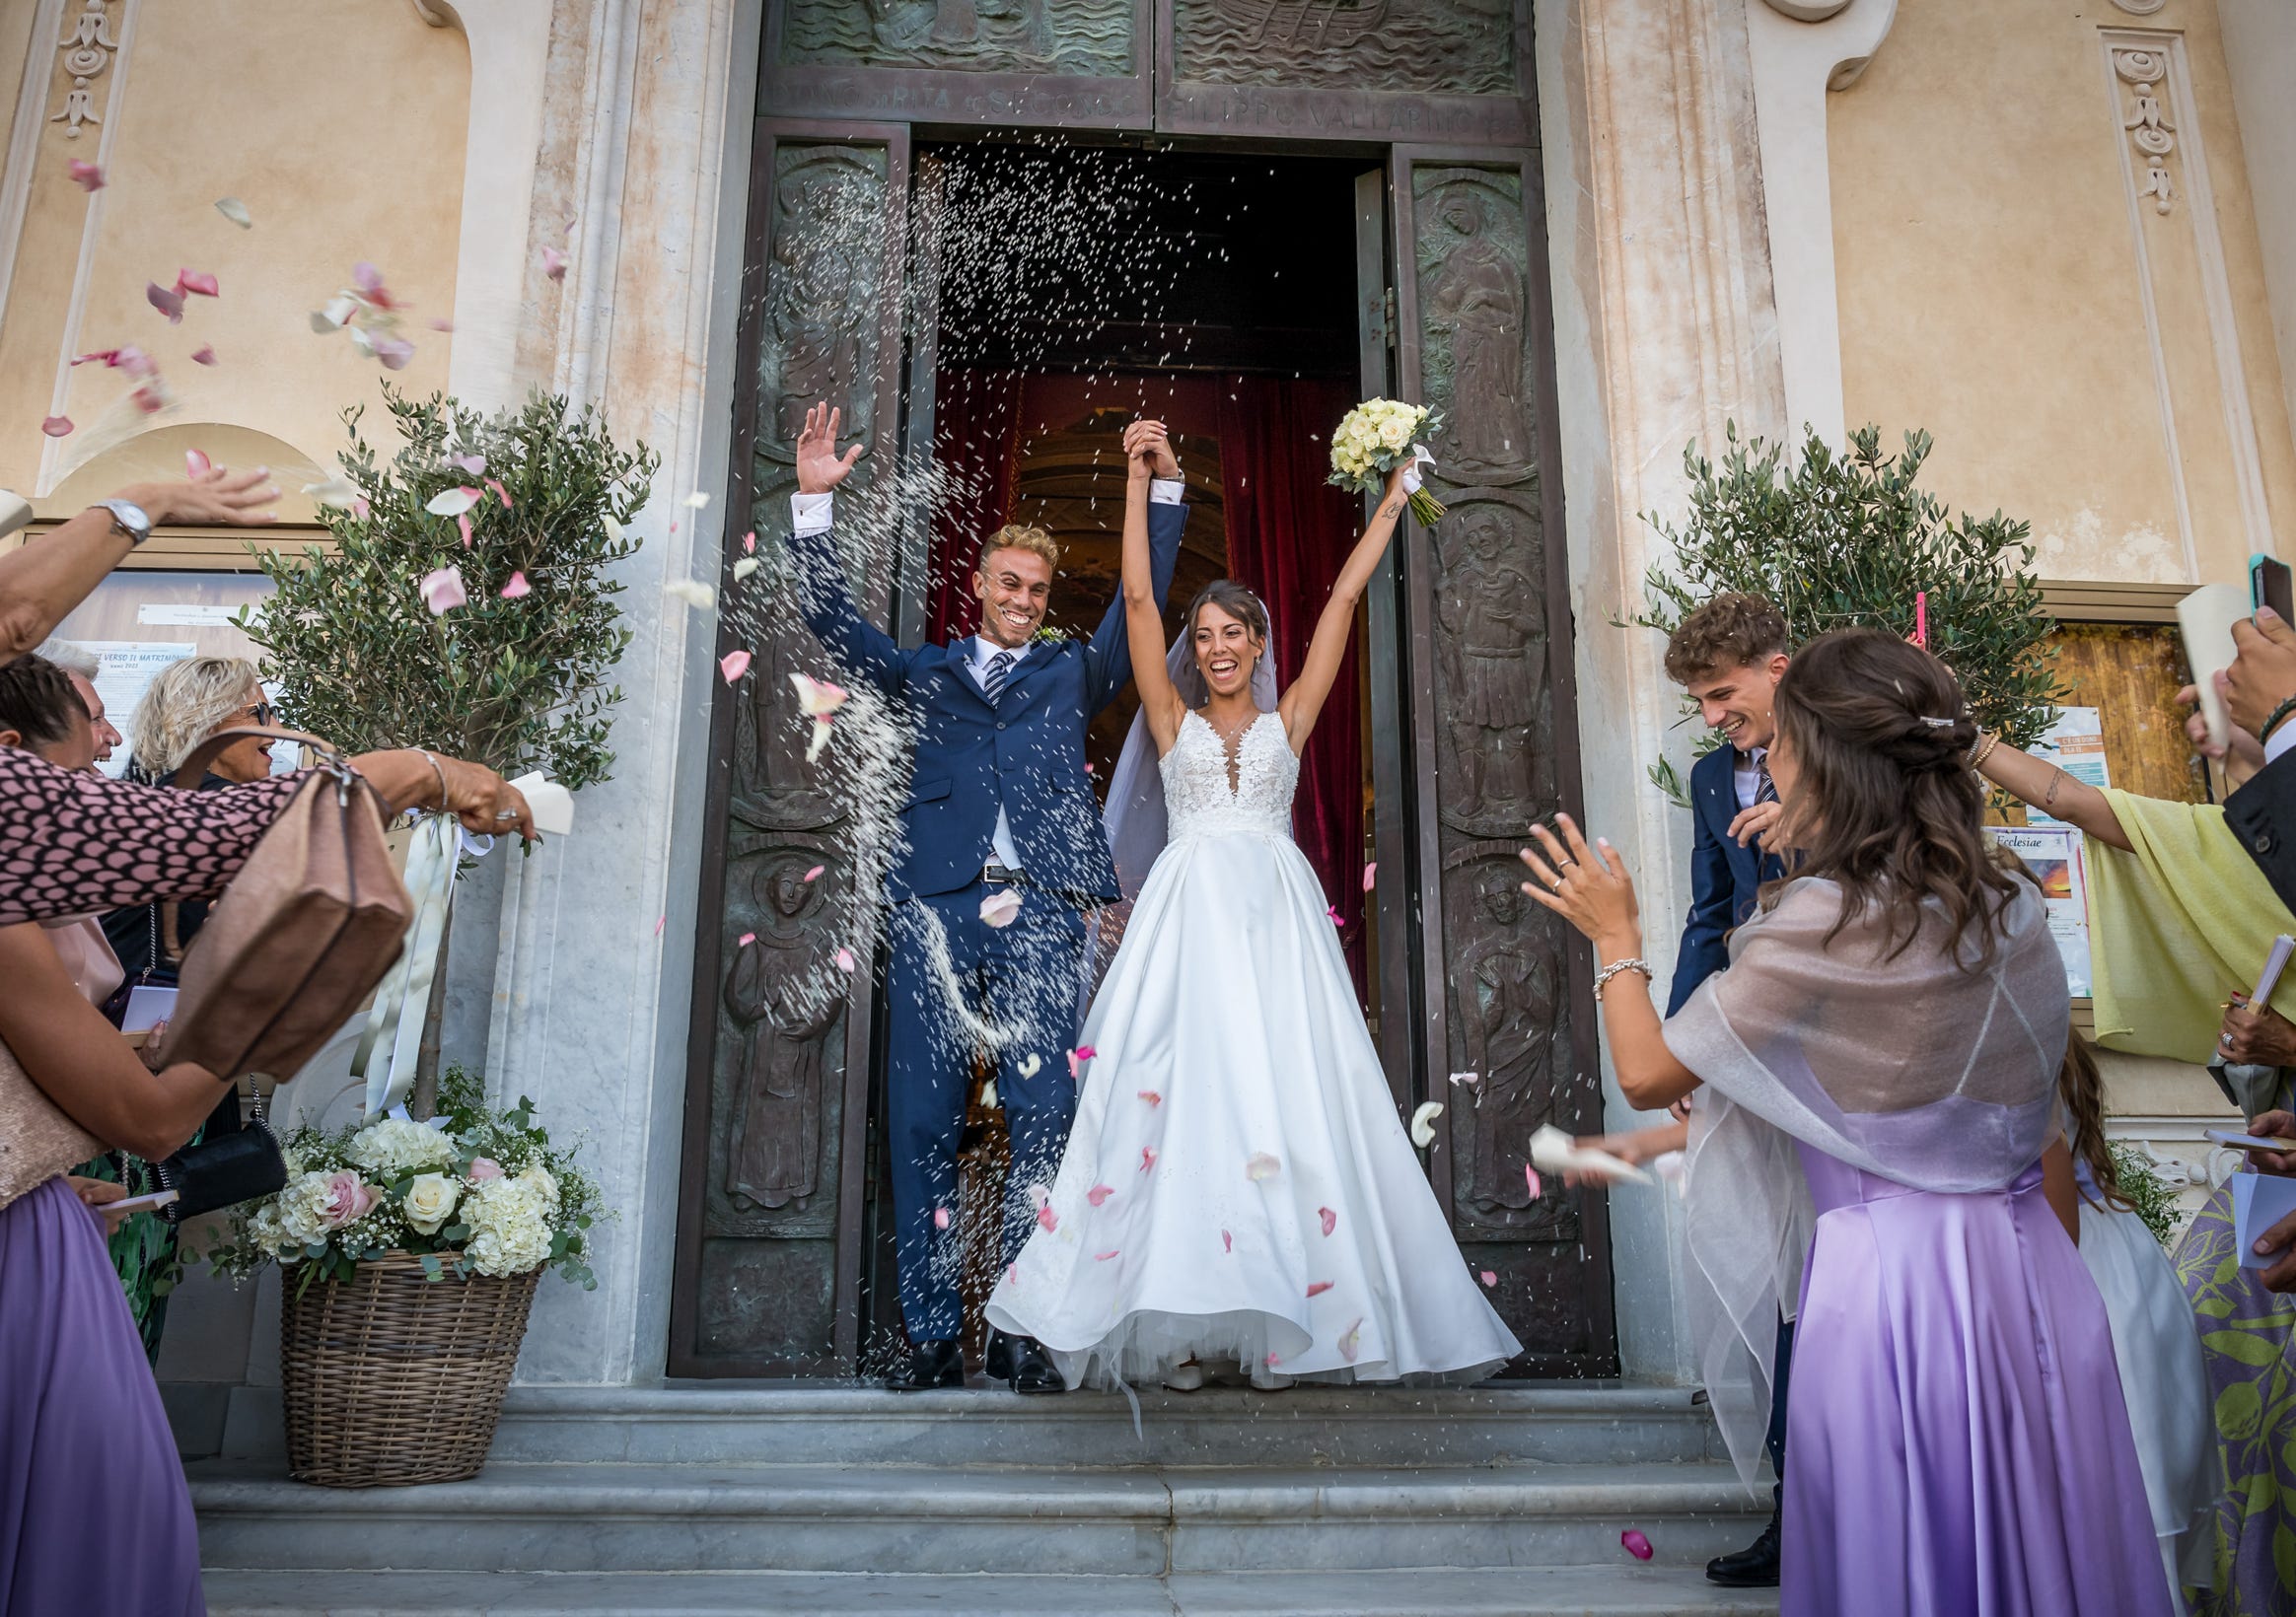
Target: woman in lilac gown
[(1878, 1130)]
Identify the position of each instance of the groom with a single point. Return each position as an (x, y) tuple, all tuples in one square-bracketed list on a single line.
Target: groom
[(999, 808)]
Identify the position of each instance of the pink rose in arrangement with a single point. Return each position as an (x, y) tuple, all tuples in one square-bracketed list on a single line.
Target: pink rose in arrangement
[(485, 1167), (349, 1199)]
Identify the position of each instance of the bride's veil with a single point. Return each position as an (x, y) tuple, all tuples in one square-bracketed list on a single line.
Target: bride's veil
[(1134, 817)]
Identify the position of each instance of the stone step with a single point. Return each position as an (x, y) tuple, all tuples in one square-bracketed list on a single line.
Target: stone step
[(894, 1518), (1581, 1591), (800, 1424)]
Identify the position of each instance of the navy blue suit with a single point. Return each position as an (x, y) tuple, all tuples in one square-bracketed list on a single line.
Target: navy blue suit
[(1724, 876), (1023, 752)]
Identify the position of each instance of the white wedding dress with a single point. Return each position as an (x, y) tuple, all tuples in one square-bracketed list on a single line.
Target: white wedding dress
[(1237, 1185)]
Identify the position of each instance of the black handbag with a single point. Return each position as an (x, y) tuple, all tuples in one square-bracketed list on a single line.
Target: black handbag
[(235, 1162)]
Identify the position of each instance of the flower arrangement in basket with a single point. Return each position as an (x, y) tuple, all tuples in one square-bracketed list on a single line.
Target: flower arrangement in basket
[(1378, 436), (415, 1249)]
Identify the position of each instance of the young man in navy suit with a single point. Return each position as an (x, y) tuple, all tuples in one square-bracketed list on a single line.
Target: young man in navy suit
[(1730, 655), (999, 806)]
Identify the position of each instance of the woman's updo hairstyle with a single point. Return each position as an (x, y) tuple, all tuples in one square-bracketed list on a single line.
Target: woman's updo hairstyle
[(1234, 599), (1885, 799)]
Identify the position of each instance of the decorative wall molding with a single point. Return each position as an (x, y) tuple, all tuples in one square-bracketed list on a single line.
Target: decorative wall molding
[(1807, 11), (2141, 8), (2151, 131), (2148, 76), (84, 51)]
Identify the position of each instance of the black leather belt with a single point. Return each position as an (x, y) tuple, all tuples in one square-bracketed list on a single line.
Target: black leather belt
[(998, 875)]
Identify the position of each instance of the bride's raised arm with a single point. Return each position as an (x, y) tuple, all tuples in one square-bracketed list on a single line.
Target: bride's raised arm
[(1302, 702), (1160, 703)]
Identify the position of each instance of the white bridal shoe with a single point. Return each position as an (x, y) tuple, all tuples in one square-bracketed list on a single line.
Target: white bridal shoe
[(1184, 1377)]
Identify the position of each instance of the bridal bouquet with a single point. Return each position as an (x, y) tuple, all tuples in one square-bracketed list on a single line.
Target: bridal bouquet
[(475, 1190), (1377, 437)]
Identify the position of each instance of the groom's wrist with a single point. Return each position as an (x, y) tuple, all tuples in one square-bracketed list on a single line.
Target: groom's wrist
[(810, 512), (1166, 490)]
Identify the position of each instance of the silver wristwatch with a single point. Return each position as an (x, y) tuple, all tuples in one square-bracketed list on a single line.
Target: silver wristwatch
[(126, 518)]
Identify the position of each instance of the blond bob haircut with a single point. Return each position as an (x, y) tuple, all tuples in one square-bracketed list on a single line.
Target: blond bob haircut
[(187, 702), (1020, 536)]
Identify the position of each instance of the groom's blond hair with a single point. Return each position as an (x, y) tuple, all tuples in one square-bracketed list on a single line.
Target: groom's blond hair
[(1035, 541)]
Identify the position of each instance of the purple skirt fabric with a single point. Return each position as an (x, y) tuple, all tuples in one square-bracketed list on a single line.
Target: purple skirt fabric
[(1959, 1447), (94, 1514)]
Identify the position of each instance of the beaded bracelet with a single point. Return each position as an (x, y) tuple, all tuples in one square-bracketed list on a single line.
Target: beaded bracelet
[(1615, 966), (2273, 719)]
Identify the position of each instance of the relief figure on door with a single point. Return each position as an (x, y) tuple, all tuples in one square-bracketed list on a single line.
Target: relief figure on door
[(774, 1154), (1491, 654), (1508, 984), (1474, 295)]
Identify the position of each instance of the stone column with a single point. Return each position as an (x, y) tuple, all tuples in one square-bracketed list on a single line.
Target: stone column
[(1665, 328)]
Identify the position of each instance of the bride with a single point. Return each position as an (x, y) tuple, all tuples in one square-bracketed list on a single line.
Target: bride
[(1237, 1188)]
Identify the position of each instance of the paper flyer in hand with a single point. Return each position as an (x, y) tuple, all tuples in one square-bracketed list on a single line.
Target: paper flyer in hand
[(2055, 855)]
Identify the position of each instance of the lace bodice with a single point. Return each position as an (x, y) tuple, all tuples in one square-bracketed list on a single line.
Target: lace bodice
[(1197, 795)]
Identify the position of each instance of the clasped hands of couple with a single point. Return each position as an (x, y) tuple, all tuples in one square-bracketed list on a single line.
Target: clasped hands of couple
[(821, 468)]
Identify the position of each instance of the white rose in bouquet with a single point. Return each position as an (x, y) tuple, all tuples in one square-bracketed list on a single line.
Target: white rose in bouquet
[(431, 1201), (1374, 439), (392, 1146)]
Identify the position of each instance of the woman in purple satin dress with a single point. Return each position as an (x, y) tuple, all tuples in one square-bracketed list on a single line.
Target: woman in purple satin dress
[(1877, 1129)]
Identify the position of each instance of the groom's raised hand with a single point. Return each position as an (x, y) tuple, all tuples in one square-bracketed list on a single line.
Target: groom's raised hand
[(1152, 439), (820, 467)]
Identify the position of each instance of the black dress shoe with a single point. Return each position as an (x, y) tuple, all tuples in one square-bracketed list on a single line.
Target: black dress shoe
[(996, 1362), (1756, 1566), (1032, 1370), (929, 1364)]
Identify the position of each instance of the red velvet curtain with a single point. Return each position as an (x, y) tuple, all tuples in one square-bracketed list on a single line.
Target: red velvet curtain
[(1289, 532), (976, 439)]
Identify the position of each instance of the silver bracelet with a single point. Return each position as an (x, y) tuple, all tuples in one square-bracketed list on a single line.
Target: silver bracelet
[(1615, 966), (442, 775)]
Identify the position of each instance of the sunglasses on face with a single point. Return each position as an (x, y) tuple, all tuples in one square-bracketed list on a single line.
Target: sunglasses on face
[(263, 713)]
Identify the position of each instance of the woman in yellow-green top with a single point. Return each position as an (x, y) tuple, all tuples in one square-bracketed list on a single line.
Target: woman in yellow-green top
[(2180, 920)]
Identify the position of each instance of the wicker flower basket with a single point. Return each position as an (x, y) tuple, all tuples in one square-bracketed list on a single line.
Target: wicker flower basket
[(391, 1378)]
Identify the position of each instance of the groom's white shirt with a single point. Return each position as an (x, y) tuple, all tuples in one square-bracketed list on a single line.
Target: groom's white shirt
[(810, 514)]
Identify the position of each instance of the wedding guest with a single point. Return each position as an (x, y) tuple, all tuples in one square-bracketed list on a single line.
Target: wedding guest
[(1895, 1017), (72, 843), (2260, 689), (2154, 1343), (83, 667)]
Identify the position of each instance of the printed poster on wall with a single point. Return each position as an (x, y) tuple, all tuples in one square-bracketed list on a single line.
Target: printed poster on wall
[(2076, 744), (2053, 854)]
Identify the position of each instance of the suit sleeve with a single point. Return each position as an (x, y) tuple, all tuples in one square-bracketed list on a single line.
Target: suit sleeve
[(2263, 813), (826, 603), (1107, 657), (1712, 897)]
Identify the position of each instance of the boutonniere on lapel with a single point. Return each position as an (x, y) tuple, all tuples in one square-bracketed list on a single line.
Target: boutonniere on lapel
[(1047, 636)]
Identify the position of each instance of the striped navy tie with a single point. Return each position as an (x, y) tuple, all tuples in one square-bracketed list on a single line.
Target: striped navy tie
[(994, 682)]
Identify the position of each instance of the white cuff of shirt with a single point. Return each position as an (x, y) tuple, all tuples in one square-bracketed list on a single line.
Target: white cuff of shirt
[(2280, 741), (1167, 492), (810, 512)]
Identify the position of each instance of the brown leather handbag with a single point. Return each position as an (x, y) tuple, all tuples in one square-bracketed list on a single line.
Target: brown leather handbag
[(301, 935)]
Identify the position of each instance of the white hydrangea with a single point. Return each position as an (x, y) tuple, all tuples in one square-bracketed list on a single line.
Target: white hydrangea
[(510, 1223), (392, 1146), (301, 1209)]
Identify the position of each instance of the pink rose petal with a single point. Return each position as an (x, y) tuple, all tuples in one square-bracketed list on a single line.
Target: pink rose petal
[(1038, 1195), (165, 300), (1331, 1220), (204, 354), (1102, 1257), (1332, 911), (733, 665), (485, 1167), (1048, 1218), (1147, 1157), (1370, 871), (815, 873), (1637, 1546), (394, 352), (57, 426), (1227, 1242), (553, 263), (196, 465), (1077, 1059), (746, 940), (1318, 1287), (660, 921), (1273, 1361), (940, 1217), (749, 540), (1488, 1277), (1151, 1097), (1099, 1194), (844, 959), (1259, 1165), (442, 589), (1000, 908), (517, 588), (437, 325), (501, 493), (198, 283), (462, 523), (473, 465), (86, 175), (1351, 1341), (1530, 1178), (1012, 1273)]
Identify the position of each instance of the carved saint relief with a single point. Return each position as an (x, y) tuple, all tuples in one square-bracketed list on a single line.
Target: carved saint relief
[(775, 1151), (1508, 985), (1423, 47), (773, 785), (1084, 37), (821, 288), (1490, 639), (1472, 292)]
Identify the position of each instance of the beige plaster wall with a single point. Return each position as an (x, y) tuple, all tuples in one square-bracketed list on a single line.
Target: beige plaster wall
[(1993, 266), (204, 99)]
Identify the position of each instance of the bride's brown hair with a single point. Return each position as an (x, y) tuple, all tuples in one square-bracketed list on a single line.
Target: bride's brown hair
[(1885, 796)]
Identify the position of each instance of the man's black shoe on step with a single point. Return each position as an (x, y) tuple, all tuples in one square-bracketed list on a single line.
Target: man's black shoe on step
[(1756, 1566), (996, 1362), (1032, 1366), (928, 1365)]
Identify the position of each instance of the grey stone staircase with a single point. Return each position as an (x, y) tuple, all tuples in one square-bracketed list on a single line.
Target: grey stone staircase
[(709, 1498)]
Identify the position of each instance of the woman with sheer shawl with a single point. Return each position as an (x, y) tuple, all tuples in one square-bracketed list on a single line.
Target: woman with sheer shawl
[(1880, 1065)]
